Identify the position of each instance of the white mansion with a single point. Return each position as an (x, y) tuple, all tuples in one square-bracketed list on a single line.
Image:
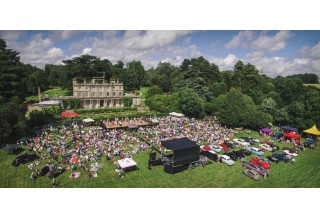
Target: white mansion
[(98, 93)]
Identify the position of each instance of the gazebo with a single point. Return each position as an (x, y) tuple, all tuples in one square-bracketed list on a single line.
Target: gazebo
[(292, 135)]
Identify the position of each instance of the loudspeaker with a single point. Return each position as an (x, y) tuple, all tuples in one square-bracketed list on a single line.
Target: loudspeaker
[(152, 156)]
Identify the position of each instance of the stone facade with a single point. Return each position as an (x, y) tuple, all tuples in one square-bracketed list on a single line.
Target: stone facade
[(98, 93)]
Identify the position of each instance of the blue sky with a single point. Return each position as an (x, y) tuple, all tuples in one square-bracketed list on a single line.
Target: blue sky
[(273, 52)]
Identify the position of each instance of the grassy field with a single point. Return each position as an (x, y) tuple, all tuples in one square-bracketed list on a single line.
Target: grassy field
[(58, 91), (305, 173), (315, 85), (51, 93)]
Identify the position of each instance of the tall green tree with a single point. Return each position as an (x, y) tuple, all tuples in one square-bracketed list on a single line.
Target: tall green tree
[(190, 103)]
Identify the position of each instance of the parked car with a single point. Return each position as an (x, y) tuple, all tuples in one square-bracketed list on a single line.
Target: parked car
[(281, 156), (289, 153), (250, 140), (224, 147), (277, 135), (252, 174), (204, 148), (291, 150), (232, 155), (230, 145), (215, 148), (247, 139), (210, 154), (241, 142), (242, 153), (255, 151), (24, 159), (262, 163), (226, 159), (275, 147), (272, 158), (257, 168)]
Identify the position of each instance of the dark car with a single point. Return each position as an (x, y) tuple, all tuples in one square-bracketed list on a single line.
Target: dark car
[(230, 146), (242, 153), (24, 159), (232, 155), (291, 150), (277, 135), (281, 156), (249, 140), (210, 155), (273, 159)]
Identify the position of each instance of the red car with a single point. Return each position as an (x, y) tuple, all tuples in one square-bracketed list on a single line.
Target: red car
[(204, 148), (224, 146), (262, 163)]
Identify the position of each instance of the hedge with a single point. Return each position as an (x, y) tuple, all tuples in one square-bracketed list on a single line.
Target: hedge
[(106, 110), (138, 114)]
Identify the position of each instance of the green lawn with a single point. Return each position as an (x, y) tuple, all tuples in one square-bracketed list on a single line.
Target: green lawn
[(305, 173), (58, 91), (143, 92)]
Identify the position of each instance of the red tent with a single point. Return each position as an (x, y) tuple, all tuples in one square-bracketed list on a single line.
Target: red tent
[(292, 135), (69, 114)]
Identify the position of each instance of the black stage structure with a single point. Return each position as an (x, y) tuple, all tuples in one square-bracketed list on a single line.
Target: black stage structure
[(184, 151)]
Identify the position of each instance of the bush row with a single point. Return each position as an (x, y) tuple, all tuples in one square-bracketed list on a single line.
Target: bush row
[(106, 110), (113, 116)]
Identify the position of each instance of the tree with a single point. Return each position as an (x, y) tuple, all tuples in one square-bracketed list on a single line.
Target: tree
[(135, 75), (13, 76), (268, 105), (289, 89), (163, 103), (281, 116), (296, 113), (154, 90), (190, 103)]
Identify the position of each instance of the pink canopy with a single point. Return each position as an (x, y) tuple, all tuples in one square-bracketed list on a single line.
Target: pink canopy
[(69, 114)]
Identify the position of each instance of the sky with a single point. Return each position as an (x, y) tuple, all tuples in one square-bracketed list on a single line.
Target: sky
[(275, 52)]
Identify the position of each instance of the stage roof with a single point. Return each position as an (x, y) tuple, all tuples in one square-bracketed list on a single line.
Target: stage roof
[(179, 144)]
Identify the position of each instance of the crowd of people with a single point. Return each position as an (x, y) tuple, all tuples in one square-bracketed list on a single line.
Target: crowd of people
[(77, 145), (208, 130)]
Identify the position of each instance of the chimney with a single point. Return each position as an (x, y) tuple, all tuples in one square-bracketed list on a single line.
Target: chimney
[(39, 94)]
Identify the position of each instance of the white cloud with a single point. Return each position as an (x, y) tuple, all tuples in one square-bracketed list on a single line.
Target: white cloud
[(271, 43), (62, 35), (238, 39), (312, 52), (86, 50), (262, 42), (142, 40), (10, 36), (274, 66), (226, 63)]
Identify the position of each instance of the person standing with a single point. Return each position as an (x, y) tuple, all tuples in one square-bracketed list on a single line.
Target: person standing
[(54, 183)]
